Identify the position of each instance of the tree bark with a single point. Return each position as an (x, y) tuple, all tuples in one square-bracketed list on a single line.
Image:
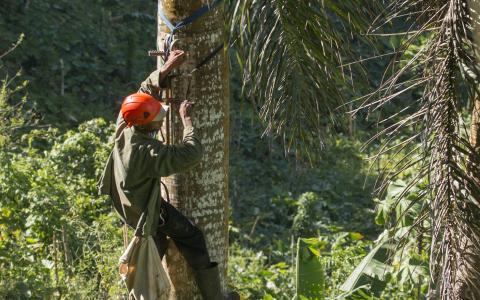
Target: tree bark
[(202, 193)]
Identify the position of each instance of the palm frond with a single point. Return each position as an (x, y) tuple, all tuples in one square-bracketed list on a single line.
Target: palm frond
[(440, 67), (292, 53)]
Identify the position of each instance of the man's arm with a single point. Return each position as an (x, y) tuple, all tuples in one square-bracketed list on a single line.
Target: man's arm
[(152, 84), (163, 160)]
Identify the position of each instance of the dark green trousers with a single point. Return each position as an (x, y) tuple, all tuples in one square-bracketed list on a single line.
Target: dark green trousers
[(187, 237)]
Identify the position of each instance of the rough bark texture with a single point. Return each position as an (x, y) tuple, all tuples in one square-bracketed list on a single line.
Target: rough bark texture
[(202, 193)]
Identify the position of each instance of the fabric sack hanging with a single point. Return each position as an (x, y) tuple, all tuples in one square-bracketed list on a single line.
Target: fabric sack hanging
[(140, 266), (142, 271)]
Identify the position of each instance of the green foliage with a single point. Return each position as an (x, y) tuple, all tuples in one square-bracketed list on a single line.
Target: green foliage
[(397, 267), (12, 99), (80, 57), (310, 274), (371, 268), (340, 253), (327, 212), (276, 200), (254, 278), (59, 239)]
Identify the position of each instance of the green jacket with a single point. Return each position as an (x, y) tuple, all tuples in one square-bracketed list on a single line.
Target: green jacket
[(132, 174)]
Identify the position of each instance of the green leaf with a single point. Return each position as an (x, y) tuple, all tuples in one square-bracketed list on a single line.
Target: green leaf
[(6, 212), (356, 236), (267, 297), (310, 271), (368, 266), (360, 293)]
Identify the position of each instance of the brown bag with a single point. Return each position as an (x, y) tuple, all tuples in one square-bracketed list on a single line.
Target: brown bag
[(142, 271)]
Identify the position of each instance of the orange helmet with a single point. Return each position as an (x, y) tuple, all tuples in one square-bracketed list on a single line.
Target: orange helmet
[(141, 109)]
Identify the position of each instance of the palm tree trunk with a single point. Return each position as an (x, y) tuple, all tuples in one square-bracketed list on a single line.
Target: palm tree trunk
[(202, 193)]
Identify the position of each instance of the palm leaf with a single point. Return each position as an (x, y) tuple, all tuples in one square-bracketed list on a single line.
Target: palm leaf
[(439, 68), (291, 53)]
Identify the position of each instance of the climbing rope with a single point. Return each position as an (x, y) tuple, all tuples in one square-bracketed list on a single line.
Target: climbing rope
[(169, 42), (188, 20)]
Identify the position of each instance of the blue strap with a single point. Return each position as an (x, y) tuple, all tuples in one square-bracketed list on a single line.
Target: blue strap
[(197, 14), (190, 19), (166, 20)]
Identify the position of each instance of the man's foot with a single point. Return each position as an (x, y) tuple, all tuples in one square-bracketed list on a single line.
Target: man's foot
[(232, 296), (208, 281)]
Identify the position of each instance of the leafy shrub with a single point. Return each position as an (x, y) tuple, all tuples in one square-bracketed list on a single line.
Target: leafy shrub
[(59, 238), (397, 266), (250, 274), (80, 56)]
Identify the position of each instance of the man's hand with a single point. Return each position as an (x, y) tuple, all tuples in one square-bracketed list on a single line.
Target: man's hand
[(185, 113), (175, 59)]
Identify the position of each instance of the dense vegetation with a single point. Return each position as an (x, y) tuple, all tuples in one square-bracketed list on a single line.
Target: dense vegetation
[(64, 67)]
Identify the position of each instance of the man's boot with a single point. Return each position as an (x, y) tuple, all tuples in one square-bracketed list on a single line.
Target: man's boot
[(208, 281)]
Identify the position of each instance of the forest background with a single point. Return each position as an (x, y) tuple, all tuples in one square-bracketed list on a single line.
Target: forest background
[(65, 68)]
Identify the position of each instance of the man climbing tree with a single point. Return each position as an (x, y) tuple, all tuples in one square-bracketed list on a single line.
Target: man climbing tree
[(132, 176)]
